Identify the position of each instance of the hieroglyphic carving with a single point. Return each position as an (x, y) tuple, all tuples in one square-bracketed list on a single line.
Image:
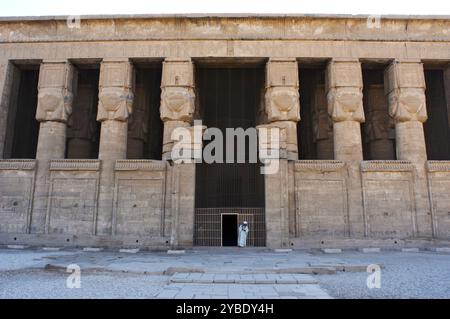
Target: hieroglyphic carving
[(344, 90), (115, 90), (56, 87), (405, 89)]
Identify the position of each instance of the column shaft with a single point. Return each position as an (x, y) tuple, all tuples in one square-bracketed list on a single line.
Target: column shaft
[(345, 106), (115, 105), (282, 110), (405, 90), (56, 81)]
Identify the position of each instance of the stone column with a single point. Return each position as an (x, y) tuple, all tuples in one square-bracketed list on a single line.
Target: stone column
[(379, 129), (345, 106), (176, 111), (282, 100), (7, 71), (55, 99), (404, 83), (405, 90), (177, 99), (322, 124), (282, 108), (114, 107), (344, 85), (56, 84)]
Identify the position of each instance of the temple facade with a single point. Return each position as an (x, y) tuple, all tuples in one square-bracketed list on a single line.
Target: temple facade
[(88, 106)]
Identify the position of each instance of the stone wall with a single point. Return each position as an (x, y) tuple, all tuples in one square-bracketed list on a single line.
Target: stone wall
[(439, 188), (16, 193), (321, 199)]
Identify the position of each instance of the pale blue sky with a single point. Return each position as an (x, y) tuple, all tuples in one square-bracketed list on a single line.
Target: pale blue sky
[(82, 7)]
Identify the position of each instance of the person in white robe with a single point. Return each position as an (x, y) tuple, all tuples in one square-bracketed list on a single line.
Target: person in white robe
[(243, 231)]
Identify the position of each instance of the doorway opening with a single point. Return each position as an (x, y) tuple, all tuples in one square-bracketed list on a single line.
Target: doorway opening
[(229, 229), (229, 98)]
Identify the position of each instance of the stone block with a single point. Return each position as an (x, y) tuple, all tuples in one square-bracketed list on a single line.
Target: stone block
[(16, 247), (332, 250), (92, 249), (129, 251), (175, 252), (370, 250)]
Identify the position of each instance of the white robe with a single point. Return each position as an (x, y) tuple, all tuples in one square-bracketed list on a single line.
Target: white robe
[(242, 241)]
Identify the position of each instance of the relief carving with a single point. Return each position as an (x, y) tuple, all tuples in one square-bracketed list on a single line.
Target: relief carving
[(345, 104), (321, 122), (282, 99), (55, 95), (283, 104), (405, 89), (344, 91), (138, 121), (408, 104), (379, 125), (177, 104), (82, 123), (114, 104), (115, 98), (177, 90)]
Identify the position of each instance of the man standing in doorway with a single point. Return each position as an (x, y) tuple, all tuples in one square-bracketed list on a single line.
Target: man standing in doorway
[(243, 230)]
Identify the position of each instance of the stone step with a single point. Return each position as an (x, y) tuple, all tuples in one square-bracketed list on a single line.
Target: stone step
[(16, 246), (209, 278), (92, 249), (332, 250), (129, 251)]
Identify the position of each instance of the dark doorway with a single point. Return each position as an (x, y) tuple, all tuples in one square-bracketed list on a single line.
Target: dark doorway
[(437, 132), (229, 230), (145, 128), (23, 129)]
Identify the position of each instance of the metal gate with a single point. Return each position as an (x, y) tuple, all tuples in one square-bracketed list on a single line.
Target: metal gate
[(208, 225), (229, 98)]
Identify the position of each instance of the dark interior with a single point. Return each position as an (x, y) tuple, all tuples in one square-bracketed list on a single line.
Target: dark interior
[(229, 230), (23, 129), (309, 78), (146, 107), (437, 132), (84, 115), (229, 98)]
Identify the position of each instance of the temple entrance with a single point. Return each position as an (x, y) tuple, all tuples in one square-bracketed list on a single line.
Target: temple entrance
[(229, 229), (229, 193)]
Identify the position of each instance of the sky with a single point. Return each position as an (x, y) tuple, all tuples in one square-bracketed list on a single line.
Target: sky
[(95, 7)]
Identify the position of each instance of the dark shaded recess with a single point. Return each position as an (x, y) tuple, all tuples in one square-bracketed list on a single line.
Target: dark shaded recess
[(229, 98), (26, 128), (309, 78), (150, 78), (437, 132)]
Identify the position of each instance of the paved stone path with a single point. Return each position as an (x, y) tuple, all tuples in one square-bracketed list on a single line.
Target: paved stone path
[(222, 274)]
